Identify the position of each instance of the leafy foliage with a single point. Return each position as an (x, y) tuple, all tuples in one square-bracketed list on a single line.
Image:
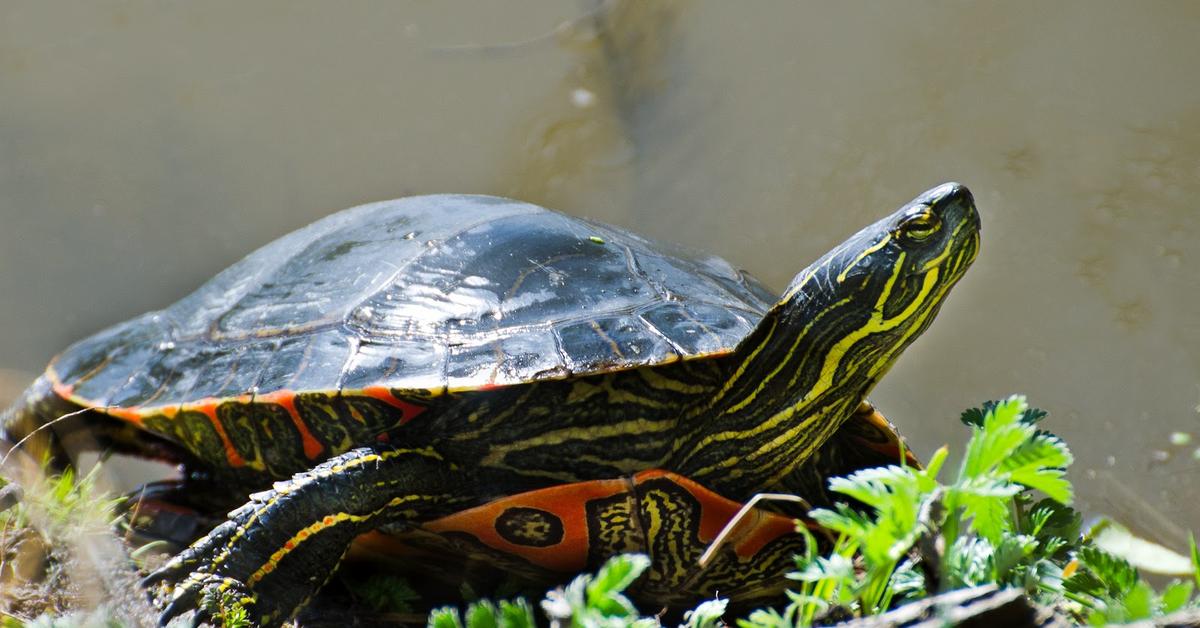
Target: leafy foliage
[(227, 611), (921, 536), (57, 552), (592, 601), (383, 593)]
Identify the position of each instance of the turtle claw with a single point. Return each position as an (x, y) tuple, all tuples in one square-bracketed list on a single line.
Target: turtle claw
[(196, 578), (178, 606), (190, 561), (207, 595)]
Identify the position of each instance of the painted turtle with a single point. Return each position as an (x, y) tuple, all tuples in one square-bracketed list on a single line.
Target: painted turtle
[(403, 361)]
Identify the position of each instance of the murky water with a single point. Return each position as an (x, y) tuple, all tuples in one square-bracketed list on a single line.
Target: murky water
[(146, 145)]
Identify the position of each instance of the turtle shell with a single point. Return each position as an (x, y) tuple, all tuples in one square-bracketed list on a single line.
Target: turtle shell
[(427, 293)]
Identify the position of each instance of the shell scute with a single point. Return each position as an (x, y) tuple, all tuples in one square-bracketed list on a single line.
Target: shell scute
[(402, 363)]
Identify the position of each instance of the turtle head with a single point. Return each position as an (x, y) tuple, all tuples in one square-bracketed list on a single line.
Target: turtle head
[(897, 270), (871, 296), (833, 334)]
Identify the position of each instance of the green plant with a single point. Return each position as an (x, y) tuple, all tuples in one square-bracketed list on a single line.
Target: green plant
[(921, 536), (57, 551), (593, 601)]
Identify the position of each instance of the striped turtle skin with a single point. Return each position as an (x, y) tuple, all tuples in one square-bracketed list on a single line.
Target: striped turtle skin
[(545, 537), (400, 362)]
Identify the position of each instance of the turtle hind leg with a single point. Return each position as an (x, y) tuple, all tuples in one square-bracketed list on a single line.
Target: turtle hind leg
[(276, 551)]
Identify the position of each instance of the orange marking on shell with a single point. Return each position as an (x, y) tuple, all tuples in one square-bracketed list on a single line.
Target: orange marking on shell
[(67, 392), (286, 399), (130, 415), (208, 407), (409, 411), (567, 502)]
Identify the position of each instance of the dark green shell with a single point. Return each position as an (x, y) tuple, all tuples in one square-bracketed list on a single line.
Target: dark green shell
[(427, 293)]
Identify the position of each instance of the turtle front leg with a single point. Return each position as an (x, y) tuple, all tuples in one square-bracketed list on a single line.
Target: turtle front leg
[(276, 551)]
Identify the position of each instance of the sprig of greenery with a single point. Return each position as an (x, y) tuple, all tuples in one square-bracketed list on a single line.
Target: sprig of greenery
[(920, 536), (593, 601)]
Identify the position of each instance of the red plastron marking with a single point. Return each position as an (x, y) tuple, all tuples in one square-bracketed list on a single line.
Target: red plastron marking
[(286, 399), (408, 410), (568, 502), (755, 530)]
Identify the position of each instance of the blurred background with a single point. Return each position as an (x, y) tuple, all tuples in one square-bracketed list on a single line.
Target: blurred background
[(145, 145)]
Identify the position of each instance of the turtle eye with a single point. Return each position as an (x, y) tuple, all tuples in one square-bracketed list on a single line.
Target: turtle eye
[(920, 226)]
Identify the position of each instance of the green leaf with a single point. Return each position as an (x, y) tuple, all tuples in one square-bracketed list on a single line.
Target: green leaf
[(1116, 574), (1010, 553), (974, 416), (384, 593), (935, 466), (1044, 576), (766, 618), (844, 520), (707, 615), (617, 574), (1055, 520), (835, 567), (597, 599), (988, 514), (1040, 463), (1084, 582), (999, 436), (970, 562), (1175, 596), (483, 614), (1043, 450), (517, 614), (445, 617), (1139, 602), (1195, 552), (907, 582), (1049, 481), (876, 487)]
